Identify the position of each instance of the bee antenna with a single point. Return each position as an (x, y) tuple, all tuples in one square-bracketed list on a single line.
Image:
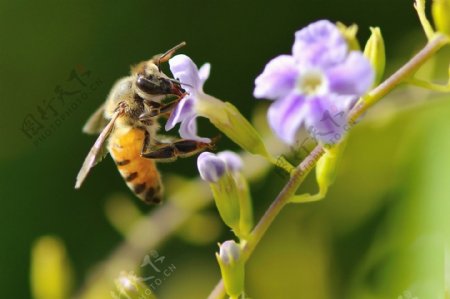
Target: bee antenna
[(166, 56), (179, 82)]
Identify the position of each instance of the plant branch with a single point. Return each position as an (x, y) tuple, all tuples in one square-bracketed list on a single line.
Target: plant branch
[(299, 174)]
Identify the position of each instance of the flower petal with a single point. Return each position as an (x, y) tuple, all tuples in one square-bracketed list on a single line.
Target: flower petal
[(185, 70), (326, 121), (319, 44), (277, 79), (353, 77), (183, 109), (203, 72), (341, 103), (188, 130), (232, 160), (286, 116), (210, 167)]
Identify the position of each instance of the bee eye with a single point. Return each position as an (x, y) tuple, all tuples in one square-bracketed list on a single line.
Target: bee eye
[(153, 85), (146, 85)]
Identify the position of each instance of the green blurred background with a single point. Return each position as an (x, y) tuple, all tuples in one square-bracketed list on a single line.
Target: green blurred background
[(377, 235)]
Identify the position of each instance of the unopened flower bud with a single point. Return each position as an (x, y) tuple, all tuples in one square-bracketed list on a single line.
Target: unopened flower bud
[(210, 167), (349, 33), (232, 160), (232, 268), (327, 165), (441, 15), (325, 173), (229, 188), (375, 53)]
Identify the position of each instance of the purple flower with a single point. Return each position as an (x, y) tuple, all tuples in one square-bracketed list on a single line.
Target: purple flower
[(316, 86), (192, 79), (212, 167), (223, 115)]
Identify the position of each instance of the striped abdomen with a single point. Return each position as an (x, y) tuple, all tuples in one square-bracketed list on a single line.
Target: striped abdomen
[(140, 174)]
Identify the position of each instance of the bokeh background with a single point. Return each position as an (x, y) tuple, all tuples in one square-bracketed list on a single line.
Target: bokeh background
[(379, 233)]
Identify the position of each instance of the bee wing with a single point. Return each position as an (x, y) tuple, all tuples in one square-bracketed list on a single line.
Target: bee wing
[(97, 152), (96, 122)]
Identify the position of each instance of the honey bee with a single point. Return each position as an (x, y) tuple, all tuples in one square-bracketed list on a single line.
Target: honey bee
[(127, 124)]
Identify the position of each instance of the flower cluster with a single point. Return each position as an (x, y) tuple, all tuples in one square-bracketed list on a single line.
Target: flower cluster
[(315, 86)]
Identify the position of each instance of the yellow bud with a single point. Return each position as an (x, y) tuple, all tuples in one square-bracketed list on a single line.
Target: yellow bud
[(326, 166), (325, 173), (51, 274), (441, 15), (375, 52), (349, 33)]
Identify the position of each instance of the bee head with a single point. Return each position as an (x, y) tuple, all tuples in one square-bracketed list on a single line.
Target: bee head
[(151, 80), (158, 85), (154, 84)]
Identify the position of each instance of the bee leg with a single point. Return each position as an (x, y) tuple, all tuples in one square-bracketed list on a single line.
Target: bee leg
[(181, 148), (162, 140), (158, 148), (156, 143), (158, 109)]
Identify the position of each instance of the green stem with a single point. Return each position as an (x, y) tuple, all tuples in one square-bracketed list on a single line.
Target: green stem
[(286, 193), (299, 174)]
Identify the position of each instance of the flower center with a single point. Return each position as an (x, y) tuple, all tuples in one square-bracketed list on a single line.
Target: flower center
[(312, 82)]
